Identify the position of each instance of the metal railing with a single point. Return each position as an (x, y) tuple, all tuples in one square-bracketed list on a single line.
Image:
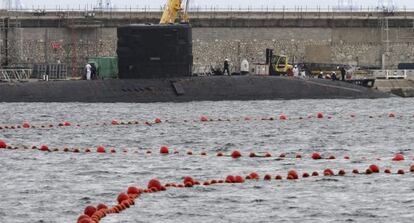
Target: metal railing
[(393, 74), (15, 74)]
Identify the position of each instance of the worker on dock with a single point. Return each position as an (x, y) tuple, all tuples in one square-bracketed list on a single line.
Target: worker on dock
[(343, 73), (244, 67), (296, 71), (88, 69), (226, 67)]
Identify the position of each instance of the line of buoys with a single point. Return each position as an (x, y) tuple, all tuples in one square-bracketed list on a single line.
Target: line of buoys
[(165, 151), (282, 117), (126, 200)]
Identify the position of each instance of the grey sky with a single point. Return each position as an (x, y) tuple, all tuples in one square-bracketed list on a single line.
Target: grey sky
[(203, 3)]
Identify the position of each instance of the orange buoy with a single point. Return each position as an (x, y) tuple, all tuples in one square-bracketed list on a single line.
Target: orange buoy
[(114, 122), (328, 172), (346, 157), (341, 173), (213, 182), (401, 172), (157, 121), (267, 177), (189, 153), (412, 168), (113, 150), (236, 154), (203, 119), (278, 177), (26, 125), (100, 149), (268, 155), (164, 150), (132, 190), (368, 171), (316, 156), (305, 175), (90, 210), (315, 174), (332, 157), (254, 176), (154, 183), (76, 150), (293, 175), (87, 150), (84, 216), (203, 154), (207, 183), (220, 154), (355, 171), (374, 168), (3, 144), (238, 179), (398, 157), (319, 115), (252, 155), (282, 155), (388, 171), (298, 156), (230, 179)]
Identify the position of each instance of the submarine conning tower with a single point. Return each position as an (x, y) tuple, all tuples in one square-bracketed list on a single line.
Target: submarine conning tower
[(147, 51)]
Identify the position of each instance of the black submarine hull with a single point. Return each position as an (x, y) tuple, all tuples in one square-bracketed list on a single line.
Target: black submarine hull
[(185, 89)]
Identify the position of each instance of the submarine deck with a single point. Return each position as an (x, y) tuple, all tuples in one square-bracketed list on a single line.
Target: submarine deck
[(186, 89)]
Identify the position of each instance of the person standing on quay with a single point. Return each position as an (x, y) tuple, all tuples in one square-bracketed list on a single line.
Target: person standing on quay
[(226, 67), (88, 69)]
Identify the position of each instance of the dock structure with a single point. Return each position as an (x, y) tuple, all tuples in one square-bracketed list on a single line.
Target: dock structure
[(368, 38)]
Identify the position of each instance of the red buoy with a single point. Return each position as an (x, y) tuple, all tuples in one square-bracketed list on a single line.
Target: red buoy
[(154, 183), (236, 154), (100, 149), (332, 157), (164, 150), (341, 173), (122, 197), (355, 171), (283, 117), (102, 207), (298, 156), (316, 156), (220, 154), (328, 172), (293, 175), (267, 177), (188, 180), (391, 115), (84, 216), (44, 148), (252, 155), (374, 168), (3, 144), (203, 119), (26, 125), (398, 157), (282, 155), (315, 174), (90, 210), (387, 171), (230, 179), (346, 157), (67, 124), (278, 177), (319, 115), (133, 190), (238, 179), (401, 172), (115, 122), (113, 150), (305, 175), (157, 121), (412, 168), (254, 176)]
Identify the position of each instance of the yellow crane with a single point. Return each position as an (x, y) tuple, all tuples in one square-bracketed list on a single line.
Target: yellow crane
[(175, 9)]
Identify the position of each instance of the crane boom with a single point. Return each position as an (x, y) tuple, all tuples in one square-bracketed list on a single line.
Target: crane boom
[(173, 9)]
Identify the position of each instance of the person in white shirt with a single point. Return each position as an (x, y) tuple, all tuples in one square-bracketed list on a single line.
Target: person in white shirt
[(88, 69), (296, 71), (244, 67)]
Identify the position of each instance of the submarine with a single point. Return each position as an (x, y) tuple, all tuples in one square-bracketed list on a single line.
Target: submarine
[(155, 65)]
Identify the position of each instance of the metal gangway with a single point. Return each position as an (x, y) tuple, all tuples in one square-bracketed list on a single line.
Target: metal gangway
[(11, 74)]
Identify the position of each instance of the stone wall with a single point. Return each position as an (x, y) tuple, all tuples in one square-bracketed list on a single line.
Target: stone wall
[(357, 46)]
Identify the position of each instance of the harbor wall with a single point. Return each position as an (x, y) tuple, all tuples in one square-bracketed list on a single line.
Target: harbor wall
[(360, 41)]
